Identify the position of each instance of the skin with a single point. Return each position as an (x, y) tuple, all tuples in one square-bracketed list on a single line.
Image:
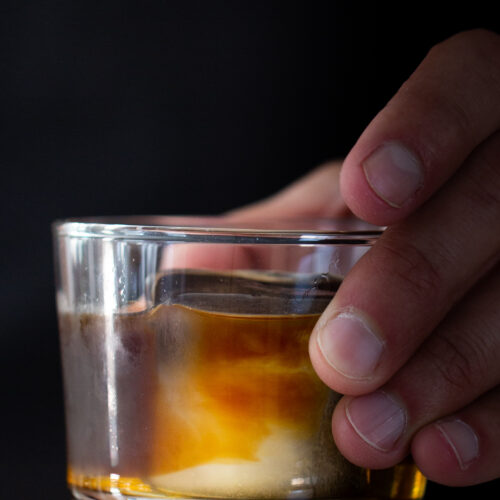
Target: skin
[(429, 289)]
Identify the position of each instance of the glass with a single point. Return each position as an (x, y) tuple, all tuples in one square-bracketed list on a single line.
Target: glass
[(185, 359)]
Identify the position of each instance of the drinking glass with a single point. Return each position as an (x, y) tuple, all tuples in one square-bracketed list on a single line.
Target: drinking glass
[(184, 347)]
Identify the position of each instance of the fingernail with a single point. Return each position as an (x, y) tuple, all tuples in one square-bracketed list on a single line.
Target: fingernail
[(349, 346), (394, 173), (462, 440), (378, 419)]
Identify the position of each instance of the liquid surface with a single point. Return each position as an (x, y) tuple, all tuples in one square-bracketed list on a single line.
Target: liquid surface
[(184, 400)]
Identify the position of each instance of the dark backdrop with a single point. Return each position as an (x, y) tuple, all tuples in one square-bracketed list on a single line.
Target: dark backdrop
[(166, 107)]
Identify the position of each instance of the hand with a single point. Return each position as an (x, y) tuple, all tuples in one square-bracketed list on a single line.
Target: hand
[(413, 335)]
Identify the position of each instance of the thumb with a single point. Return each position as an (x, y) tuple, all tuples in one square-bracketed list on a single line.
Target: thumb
[(317, 194)]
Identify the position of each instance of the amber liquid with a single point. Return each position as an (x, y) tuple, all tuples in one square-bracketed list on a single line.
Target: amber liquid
[(184, 401)]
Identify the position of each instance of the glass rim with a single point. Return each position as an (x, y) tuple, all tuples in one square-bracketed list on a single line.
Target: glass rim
[(221, 229)]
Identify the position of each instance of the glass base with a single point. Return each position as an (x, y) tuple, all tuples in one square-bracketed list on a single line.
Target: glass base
[(402, 482), (88, 495), (82, 494)]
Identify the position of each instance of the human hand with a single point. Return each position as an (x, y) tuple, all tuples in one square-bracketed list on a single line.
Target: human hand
[(413, 335)]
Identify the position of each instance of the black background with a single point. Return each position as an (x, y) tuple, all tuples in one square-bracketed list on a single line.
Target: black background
[(171, 108)]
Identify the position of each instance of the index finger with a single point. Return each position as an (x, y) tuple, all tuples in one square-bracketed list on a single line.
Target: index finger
[(398, 293), (447, 107)]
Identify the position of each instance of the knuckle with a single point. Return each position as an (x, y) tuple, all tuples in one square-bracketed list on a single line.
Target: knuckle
[(476, 55), (484, 182), (450, 363), (444, 110), (485, 52), (458, 362), (479, 53), (417, 275), (458, 117)]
